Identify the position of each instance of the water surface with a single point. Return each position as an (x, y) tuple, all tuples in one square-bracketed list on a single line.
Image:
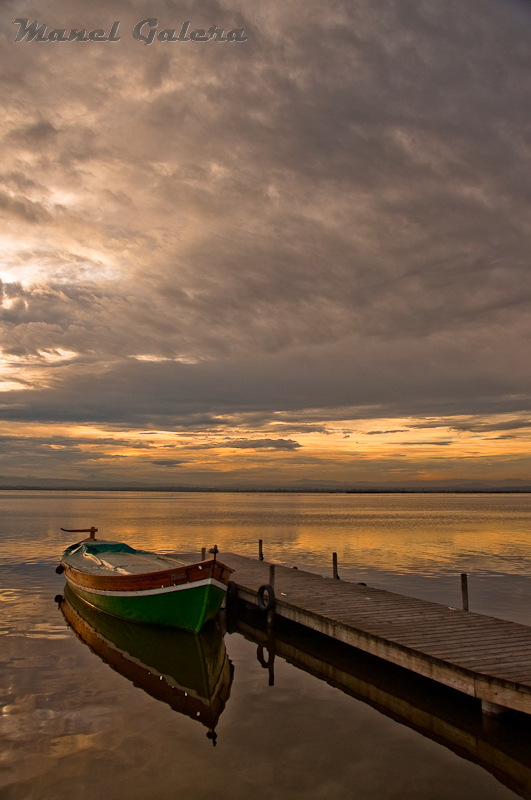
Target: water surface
[(72, 724)]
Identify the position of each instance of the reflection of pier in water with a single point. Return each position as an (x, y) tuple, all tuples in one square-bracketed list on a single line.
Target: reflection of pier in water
[(499, 745), (188, 671)]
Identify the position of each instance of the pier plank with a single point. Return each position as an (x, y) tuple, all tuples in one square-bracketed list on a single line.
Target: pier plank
[(470, 647)]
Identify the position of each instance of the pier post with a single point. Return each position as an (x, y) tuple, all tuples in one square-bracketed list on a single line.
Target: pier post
[(203, 553), (271, 612), (334, 566), (493, 709), (464, 590), (260, 551)]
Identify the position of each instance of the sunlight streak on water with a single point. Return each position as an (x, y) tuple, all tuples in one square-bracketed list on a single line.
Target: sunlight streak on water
[(416, 544)]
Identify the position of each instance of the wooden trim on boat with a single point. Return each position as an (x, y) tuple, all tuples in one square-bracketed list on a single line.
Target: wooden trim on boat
[(174, 576)]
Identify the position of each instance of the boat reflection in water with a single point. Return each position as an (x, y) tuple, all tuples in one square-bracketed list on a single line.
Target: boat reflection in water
[(191, 672), (500, 745)]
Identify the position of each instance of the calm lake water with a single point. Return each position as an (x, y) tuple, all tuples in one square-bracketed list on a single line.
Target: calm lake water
[(75, 724)]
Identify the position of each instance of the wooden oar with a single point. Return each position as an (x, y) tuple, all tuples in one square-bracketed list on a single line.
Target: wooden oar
[(92, 531)]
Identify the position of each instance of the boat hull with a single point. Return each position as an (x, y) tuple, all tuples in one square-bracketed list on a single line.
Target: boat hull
[(184, 596), (185, 607)]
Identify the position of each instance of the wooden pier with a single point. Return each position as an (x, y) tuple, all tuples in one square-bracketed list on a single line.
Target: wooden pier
[(444, 715), (483, 657)]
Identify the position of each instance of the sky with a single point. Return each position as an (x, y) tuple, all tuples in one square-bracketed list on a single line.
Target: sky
[(300, 257)]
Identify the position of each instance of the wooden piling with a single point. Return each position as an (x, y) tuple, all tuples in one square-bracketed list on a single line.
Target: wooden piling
[(493, 709), (271, 612), (464, 590), (334, 566), (260, 551), (203, 553)]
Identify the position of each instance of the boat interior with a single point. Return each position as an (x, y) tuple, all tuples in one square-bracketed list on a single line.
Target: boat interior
[(94, 561)]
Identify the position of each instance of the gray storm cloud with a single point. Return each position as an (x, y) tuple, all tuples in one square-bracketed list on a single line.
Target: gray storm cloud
[(333, 214)]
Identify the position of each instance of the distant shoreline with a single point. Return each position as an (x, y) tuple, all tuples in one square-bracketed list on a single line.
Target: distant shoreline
[(277, 490)]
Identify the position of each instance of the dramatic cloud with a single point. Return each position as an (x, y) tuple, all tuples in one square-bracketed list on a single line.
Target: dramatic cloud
[(324, 225), (168, 462), (268, 444)]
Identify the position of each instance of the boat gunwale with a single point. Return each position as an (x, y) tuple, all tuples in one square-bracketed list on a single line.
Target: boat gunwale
[(146, 592), (174, 576)]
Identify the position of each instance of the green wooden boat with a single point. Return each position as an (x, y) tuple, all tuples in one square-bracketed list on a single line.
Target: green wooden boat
[(143, 586), (191, 672)]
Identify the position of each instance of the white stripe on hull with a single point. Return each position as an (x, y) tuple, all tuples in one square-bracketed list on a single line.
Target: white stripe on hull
[(146, 592)]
